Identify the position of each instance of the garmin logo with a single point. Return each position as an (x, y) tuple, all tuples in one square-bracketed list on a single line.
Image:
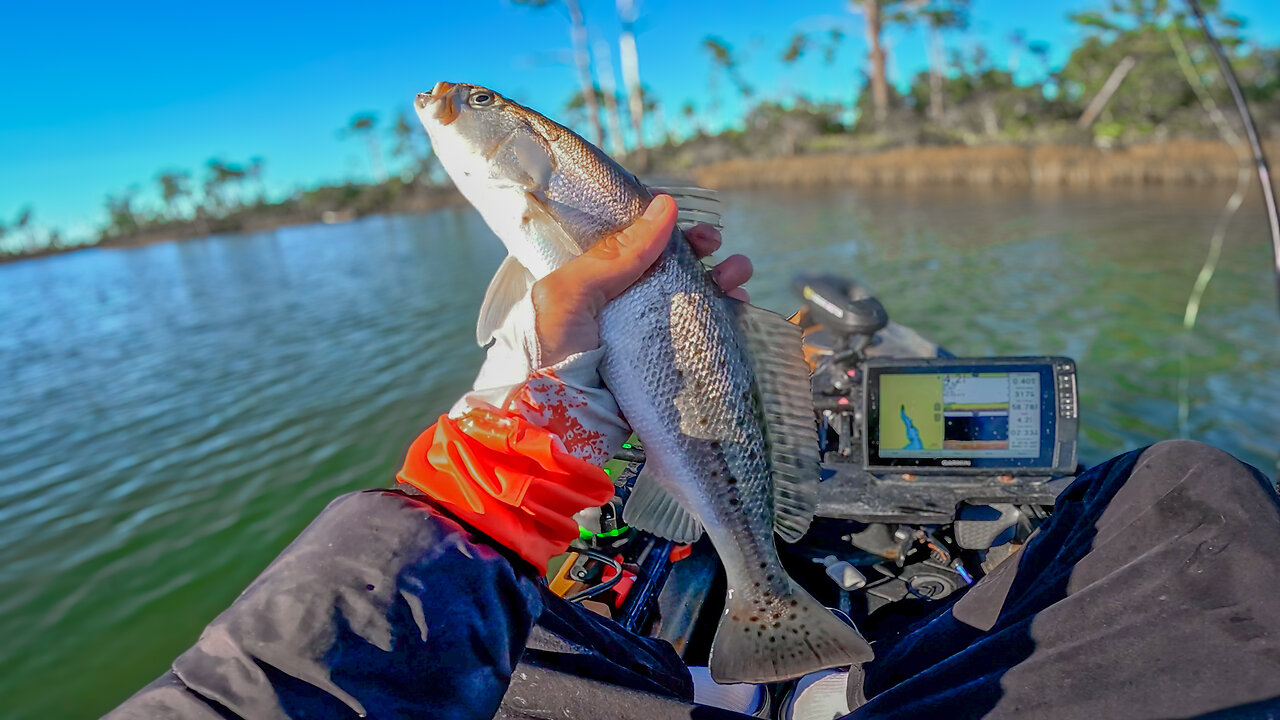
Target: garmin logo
[(956, 463)]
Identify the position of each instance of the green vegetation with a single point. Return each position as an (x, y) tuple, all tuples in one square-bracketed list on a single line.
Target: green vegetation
[(1127, 83)]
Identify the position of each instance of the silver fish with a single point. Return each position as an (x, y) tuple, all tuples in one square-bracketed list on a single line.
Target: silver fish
[(716, 390)]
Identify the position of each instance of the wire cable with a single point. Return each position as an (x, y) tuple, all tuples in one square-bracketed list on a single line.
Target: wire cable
[(1251, 133), (1244, 171), (597, 589)]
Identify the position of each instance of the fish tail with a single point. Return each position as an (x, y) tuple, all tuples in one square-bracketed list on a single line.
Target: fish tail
[(758, 646)]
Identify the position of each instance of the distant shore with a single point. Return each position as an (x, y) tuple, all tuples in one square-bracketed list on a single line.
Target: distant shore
[(262, 218), (1175, 162)]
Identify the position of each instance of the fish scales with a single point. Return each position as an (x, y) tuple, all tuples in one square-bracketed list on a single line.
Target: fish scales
[(684, 364), (681, 375)]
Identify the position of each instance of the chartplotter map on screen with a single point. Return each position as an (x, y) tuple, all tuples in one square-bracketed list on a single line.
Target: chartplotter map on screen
[(960, 415)]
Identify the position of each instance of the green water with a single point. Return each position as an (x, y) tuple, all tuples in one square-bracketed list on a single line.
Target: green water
[(173, 415)]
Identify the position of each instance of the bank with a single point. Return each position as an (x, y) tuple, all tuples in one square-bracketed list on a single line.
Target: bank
[(1175, 162)]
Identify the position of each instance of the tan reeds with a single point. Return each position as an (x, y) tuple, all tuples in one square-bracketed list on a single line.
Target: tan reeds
[(1174, 162)]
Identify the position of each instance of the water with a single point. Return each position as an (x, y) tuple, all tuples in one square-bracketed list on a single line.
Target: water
[(174, 414)]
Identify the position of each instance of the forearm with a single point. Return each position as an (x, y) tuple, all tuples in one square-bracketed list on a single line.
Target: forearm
[(521, 453)]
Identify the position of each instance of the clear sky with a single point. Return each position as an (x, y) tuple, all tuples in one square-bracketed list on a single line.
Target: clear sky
[(96, 97)]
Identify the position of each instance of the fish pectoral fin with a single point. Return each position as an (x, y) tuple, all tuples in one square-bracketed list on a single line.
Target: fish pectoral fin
[(652, 509), (543, 224), (786, 404), (508, 285), (534, 158)]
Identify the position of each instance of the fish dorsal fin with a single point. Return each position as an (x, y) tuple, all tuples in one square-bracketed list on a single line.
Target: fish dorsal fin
[(652, 509), (786, 403), (508, 285), (694, 204)]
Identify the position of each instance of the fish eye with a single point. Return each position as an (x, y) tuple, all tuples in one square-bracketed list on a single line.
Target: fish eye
[(481, 99)]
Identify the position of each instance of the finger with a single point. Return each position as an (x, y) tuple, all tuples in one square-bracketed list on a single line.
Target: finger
[(732, 272), (705, 239), (614, 263), (739, 294)]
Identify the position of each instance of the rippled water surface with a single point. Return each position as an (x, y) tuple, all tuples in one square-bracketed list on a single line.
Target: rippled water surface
[(173, 415)]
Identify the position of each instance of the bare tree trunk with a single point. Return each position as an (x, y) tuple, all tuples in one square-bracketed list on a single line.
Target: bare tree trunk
[(879, 83), (610, 91), (375, 159), (582, 59), (1099, 101), (629, 56), (663, 129), (935, 74), (713, 93)]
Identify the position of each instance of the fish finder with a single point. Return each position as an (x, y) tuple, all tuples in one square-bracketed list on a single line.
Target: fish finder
[(1014, 416)]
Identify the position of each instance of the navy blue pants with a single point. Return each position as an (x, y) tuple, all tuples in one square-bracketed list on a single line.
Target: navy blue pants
[(1154, 591)]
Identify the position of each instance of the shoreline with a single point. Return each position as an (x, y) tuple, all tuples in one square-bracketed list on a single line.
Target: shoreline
[(255, 220), (1182, 162), (1177, 162)]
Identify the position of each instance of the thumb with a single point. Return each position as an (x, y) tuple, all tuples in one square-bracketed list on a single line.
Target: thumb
[(614, 263)]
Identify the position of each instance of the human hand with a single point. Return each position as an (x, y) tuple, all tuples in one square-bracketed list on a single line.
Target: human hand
[(567, 302)]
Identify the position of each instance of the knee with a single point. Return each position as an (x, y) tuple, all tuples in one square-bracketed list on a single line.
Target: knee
[(1188, 453), (1192, 463)]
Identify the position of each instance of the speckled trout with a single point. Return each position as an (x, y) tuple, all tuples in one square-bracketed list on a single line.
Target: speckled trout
[(716, 390)]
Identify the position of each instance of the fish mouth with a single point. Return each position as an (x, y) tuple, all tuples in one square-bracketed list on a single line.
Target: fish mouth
[(445, 99)]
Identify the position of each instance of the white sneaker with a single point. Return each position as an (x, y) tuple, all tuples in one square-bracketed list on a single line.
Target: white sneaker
[(818, 696), (739, 697)]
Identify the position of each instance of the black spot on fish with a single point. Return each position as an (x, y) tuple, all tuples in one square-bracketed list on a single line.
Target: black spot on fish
[(731, 480), (765, 565), (755, 618), (733, 501)]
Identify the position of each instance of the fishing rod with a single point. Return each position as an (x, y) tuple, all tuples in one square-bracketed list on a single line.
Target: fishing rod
[(1251, 132)]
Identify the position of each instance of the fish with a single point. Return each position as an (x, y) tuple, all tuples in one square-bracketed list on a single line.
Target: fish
[(716, 390)]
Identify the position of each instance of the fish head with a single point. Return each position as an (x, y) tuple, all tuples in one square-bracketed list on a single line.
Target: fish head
[(473, 131), (526, 173)]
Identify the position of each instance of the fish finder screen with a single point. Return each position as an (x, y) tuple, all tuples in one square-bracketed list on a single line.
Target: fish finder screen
[(960, 415)]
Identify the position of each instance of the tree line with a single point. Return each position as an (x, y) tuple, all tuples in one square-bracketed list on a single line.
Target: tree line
[(1133, 77)]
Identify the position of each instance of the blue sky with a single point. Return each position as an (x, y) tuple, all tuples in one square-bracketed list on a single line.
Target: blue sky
[(101, 96)]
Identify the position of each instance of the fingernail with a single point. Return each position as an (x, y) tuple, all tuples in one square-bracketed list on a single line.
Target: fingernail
[(658, 207)]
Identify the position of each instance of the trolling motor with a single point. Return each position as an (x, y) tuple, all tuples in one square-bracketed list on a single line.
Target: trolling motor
[(833, 304)]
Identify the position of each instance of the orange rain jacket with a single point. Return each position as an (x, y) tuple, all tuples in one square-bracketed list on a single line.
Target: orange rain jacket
[(520, 454)]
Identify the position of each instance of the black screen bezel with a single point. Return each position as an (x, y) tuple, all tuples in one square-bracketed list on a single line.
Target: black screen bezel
[(1048, 417)]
